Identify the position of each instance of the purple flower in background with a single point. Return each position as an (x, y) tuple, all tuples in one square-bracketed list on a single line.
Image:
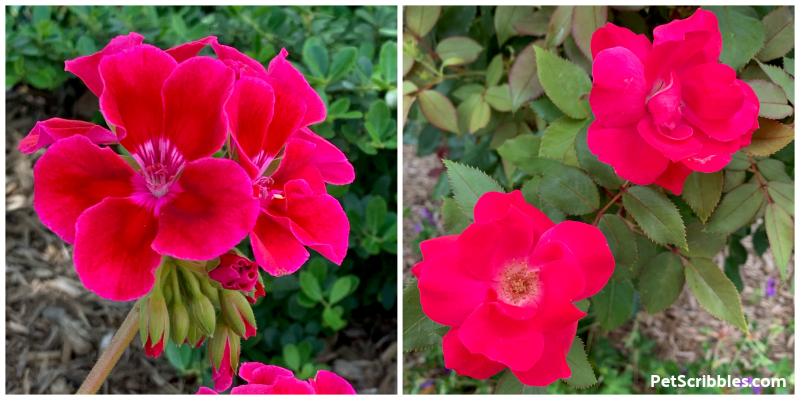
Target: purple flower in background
[(427, 384), (771, 287), (417, 228), (427, 214)]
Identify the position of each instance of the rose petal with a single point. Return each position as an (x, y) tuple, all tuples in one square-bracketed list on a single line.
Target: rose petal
[(611, 36), (710, 92), (552, 366), (86, 67), (675, 150), (676, 56), (701, 20), (495, 205), (664, 105), (624, 148), (674, 177), (282, 69), (448, 292), (331, 162), (619, 92), (560, 283), (491, 332), (458, 358), (740, 124), (433, 247)]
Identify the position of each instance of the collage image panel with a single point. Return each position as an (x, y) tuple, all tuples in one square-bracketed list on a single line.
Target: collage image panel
[(598, 199), (201, 199)]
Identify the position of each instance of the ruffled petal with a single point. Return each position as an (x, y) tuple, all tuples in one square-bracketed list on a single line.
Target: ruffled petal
[(665, 104), (113, 254), (676, 56), (740, 124), (205, 390), (700, 21), (448, 292), (552, 366), (619, 92), (212, 212), (433, 247), (590, 248), (255, 372), (132, 95), (194, 96), (290, 386), (675, 150), (297, 163), (331, 162), (710, 92), (326, 382), (624, 149), (275, 248), (253, 388), (611, 36), (491, 332), (280, 68), (559, 283), (495, 205), (674, 177), (86, 67), (45, 133), (252, 67), (458, 358), (183, 52), (72, 176), (713, 156), (486, 248), (250, 111)]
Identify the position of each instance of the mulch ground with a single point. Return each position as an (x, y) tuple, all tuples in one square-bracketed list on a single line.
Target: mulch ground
[(56, 329)]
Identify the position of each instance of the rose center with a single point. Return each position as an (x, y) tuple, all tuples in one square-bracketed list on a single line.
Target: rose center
[(161, 164), (518, 284)]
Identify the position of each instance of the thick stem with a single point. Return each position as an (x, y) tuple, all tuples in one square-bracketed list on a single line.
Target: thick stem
[(113, 352)]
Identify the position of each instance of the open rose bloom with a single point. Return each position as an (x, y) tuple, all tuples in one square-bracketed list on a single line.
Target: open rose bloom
[(668, 108), (506, 285)]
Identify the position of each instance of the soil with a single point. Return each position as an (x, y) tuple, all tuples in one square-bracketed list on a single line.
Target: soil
[(56, 329)]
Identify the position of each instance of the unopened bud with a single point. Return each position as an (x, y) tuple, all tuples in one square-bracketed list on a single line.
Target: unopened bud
[(154, 323), (223, 352), (258, 291), (194, 337), (237, 313), (203, 314), (179, 322), (210, 291), (235, 272)]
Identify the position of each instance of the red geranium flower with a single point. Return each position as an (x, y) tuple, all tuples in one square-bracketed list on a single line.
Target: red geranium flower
[(506, 286), (667, 109), (271, 379)]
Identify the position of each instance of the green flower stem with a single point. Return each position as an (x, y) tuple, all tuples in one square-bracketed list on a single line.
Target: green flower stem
[(113, 352)]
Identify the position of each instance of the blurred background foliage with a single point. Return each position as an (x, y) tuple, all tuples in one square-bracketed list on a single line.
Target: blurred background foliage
[(349, 55)]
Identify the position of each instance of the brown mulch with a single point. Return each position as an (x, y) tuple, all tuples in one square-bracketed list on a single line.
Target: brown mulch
[(681, 329), (56, 329)]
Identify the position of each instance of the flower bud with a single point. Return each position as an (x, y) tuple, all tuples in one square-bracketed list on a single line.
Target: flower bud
[(210, 291), (203, 314), (258, 291), (179, 321), (223, 352), (154, 323), (235, 272), (237, 313), (194, 337)]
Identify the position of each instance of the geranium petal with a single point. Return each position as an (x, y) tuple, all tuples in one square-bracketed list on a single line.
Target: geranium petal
[(280, 68), (86, 67), (448, 292), (72, 176), (183, 52), (702, 21), (552, 366), (297, 164), (486, 248), (252, 388), (291, 386), (229, 53), (491, 332), (611, 36), (619, 92), (212, 212), (250, 111), (47, 132), (624, 149), (326, 382), (433, 247), (255, 372), (674, 177), (289, 111), (458, 358), (275, 248), (113, 254), (331, 162), (205, 390)]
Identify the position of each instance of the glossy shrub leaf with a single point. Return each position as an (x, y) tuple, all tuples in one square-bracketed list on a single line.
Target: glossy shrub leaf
[(772, 100), (468, 185), (585, 21), (480, 116), (736, 209), (739, 162), (575, 54), (614, 304), (661, 282), (509, 384), (504, 19), (494, 72), (523, 79), (779, 33), (421, 19), (376, 213), (770, 137), (419, 331), (601, 172), (455, 221), (702, 243), (522, 152), (732, 179), (656, 215), (438, 110), (461, 48), (782, 194), (715, 291), (499, 97), (342, 63), (534, 24), (569, 189), (558, 141), (646, 250), (559, 27), (530, 192), (742, 36), (780, 231), (773, 170), (507, 131), (582, 374), (622, 244), (702, 192), (564, 83), (779, 77), (788, 65)]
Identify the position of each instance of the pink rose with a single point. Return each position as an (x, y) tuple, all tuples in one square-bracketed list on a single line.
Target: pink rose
[(506, 286), (670, 108)]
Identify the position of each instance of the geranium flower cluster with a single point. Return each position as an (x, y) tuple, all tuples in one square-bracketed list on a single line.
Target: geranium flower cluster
[(507, 286), (148, 224), (271, 379), (668, 108)]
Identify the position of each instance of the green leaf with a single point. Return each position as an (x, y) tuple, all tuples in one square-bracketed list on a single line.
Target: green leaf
[(742, 36), (419, 331), (559, 27), (622, 244), (522, 152), (770, 137), (291, 356), (340, 290), (378, 120), (788, 65), (333, 319), (575, 54), (468, 185), (421, 19), (455, 221), (376, 213), (564, 83), (779, 32), (318, 267), (586, 20), (480, 116), (523, 79), (582, 374), (645, 250), (702, 243), (504, 19), (499, 97), (583, 305), (85, 46), (772, 100), (534, 24), (656, 215), (342, 63), (773, 170), (780, 231), (702, 192), (614, 304), (459, 47), (310, 286), (494, 72), (732, 180), (530, 191), (558, 141), (601, 172), (736, 209), (661, 282), (438, 110), (570, 190), (388, 60), (508, 131), (739, 162), (782, 194), (781, 78), (316, 59), (509, 384), (715, 291)]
